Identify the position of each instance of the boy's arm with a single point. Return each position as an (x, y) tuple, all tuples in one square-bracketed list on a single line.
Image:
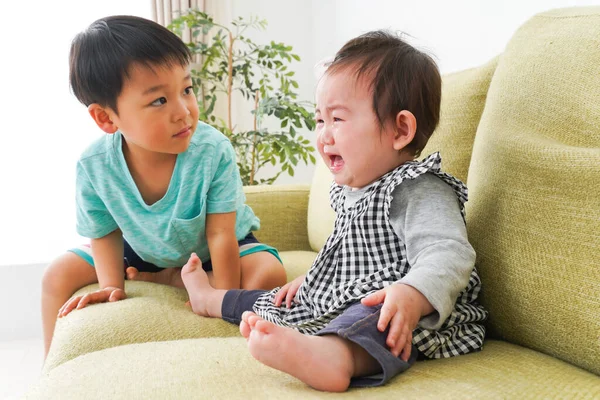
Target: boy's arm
[(108, 259), (224, 250)]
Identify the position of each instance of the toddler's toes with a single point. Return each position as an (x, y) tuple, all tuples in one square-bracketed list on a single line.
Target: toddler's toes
[(245, 329)]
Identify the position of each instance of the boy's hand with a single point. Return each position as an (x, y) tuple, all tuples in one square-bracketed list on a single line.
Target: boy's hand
[(403, 307), (99, 296), (288, 291)]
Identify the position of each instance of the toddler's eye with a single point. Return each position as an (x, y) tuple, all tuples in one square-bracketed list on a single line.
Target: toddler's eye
[(189, 90), (336, 119), (159, 102), (319, 121)]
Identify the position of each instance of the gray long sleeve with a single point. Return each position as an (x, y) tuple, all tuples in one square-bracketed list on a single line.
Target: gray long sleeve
[(425, 214)]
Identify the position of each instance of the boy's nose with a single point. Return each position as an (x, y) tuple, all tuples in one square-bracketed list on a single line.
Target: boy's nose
[(181, 111)]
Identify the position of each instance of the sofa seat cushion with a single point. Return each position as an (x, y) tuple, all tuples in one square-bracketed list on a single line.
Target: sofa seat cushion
[(150, 313), (223, 368)]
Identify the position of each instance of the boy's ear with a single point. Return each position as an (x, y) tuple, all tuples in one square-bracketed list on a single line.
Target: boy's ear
[(405, 129), (102, 118)]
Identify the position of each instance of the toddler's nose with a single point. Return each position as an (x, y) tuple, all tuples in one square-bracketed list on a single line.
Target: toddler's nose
[(326, 137)]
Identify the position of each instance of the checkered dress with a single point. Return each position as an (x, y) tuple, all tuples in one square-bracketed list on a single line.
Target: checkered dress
[(363, 255)]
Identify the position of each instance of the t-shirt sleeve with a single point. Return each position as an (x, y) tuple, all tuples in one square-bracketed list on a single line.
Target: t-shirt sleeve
[(226, 187), (425, 214), (93, 218)]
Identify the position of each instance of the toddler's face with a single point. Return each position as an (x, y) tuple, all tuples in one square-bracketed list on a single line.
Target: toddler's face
[(349, 137), (157, 107)]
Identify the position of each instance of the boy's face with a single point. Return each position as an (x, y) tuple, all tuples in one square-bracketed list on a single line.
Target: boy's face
[(157, 108), (349, 137)]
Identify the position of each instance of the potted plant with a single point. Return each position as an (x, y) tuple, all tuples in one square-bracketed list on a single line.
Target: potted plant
[(230, 62)]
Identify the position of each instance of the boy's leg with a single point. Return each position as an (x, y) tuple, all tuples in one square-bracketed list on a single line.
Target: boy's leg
[(262, 270), (63, 277), (260, 267)]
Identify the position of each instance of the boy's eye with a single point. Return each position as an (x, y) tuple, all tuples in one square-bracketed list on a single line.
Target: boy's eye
[(319, 121), (159, 102), (189, 90), (336, 119)]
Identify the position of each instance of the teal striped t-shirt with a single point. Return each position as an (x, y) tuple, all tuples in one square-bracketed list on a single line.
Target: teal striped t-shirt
[(205, 180)]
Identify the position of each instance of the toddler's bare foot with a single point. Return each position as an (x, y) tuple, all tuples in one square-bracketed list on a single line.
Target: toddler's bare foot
[(168, 276), (204, 299), (323, 362), (244, 327)]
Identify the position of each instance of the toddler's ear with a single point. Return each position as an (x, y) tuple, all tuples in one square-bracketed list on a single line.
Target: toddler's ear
[(406, 127), (102, 118)]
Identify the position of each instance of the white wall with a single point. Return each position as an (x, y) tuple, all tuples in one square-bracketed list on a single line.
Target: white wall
[(44, 128), (461, 33)]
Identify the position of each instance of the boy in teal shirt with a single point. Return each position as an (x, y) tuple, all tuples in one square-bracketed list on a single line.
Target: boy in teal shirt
[(159, 186)]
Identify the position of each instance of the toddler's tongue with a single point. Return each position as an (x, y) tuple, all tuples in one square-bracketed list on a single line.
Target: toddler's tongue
[(337, 161)]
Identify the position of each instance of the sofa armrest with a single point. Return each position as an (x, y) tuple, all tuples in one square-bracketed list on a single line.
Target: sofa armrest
[(283, 211)]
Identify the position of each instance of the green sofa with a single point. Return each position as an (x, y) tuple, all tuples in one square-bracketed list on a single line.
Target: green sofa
[(524, 132)]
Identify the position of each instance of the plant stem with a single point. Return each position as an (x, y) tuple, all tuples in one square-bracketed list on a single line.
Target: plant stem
[(256, 94), (230, 80)]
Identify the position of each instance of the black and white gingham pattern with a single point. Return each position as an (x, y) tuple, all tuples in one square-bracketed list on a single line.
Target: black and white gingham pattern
[(363, 255)]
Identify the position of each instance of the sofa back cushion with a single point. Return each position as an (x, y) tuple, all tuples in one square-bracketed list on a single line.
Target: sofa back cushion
[(534, 180), (320, 215), (463, 99)]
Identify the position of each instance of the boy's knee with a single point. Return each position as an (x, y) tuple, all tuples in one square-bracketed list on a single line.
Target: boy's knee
[(65, 272), (275, 274), (262, 271), (54, 276)]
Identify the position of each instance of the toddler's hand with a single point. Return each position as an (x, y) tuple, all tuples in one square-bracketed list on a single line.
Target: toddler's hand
[(402, 309), (288, 291), (99, 296)]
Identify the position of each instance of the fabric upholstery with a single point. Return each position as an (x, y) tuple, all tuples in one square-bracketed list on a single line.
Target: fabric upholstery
[(282, 213), (220, 368), (151, 312), (534, 182), (320, 214), (463, 98)]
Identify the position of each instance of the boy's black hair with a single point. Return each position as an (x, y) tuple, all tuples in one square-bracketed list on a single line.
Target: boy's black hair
[(402, 78), (101, 56)]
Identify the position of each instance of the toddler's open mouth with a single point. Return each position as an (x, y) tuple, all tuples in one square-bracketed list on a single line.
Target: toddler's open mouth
[(336, 162)]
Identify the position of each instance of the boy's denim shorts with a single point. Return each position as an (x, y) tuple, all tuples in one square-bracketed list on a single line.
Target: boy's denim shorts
[(248, 245)]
